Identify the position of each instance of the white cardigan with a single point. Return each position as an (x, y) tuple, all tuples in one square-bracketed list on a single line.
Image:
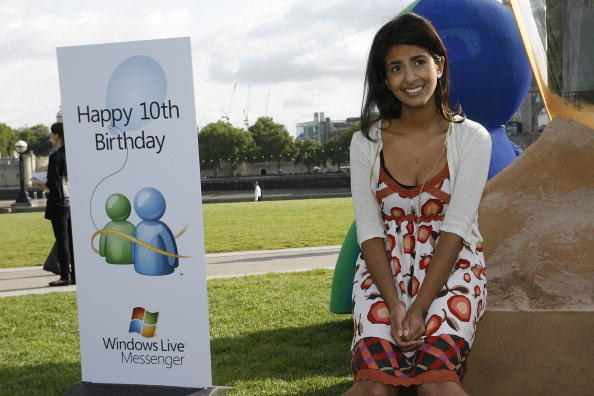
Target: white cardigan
[(468, 147)]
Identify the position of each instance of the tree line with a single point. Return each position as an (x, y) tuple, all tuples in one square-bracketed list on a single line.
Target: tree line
[(267, 140), (220, 142), (37, 138)]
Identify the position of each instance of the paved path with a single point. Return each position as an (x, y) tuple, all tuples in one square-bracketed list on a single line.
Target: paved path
[(34, 280)]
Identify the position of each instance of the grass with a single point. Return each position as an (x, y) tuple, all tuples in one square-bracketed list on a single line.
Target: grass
[(27, 237), (276, 224), (270, 335)]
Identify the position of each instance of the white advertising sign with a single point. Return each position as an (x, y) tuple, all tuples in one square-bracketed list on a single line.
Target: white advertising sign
[(134, 181)]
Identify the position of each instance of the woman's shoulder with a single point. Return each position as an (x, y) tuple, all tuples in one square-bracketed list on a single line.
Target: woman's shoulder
[(470, 129), (371, 140)]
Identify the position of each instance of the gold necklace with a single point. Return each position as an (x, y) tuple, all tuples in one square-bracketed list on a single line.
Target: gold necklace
[(412, 149), (416, 155)]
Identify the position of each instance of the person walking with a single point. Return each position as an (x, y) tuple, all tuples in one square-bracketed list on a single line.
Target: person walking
[(257, 191)]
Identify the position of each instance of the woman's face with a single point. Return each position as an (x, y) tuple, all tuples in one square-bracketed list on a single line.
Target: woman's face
[(411, 75), (56, 140)]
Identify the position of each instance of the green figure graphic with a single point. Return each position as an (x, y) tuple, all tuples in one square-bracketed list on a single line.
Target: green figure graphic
[(115, 249)]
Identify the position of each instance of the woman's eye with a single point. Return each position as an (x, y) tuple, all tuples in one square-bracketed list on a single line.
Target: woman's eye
[(395, 69), (421, 61)]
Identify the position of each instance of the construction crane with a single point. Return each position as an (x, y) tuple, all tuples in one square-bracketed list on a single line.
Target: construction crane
[(225, 114), (246, 111)]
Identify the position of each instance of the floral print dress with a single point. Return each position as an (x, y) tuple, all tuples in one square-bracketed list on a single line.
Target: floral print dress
[(451, 320)]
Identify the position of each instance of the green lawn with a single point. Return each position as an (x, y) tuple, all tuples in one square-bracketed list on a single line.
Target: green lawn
[(270, 335), (27, 237)]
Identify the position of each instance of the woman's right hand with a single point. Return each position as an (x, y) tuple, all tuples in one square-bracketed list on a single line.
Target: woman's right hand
[(397, 315)]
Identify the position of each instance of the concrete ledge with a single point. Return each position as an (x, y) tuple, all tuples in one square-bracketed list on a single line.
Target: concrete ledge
[(532, 353)]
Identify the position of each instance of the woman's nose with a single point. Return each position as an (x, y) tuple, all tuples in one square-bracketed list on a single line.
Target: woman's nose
[(410, 75)]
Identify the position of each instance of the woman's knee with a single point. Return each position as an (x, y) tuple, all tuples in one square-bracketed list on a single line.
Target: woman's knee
[(441, 389), (371, 388)]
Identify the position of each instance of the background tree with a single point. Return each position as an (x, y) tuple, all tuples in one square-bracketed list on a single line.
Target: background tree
[(338, 150), (221, 141), (7, 140), (309, 152), (37, 138), (273, 140)]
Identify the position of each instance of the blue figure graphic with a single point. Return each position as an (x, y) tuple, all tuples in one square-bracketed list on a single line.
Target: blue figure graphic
[(149, 205)]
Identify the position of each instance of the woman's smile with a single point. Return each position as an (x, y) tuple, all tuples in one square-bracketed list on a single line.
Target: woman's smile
[(414, 91)]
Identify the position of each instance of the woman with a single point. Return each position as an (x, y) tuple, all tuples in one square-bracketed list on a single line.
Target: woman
[(418, 170), (58, 206)]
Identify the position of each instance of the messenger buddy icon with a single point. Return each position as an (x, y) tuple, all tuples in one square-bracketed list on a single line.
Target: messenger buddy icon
[(150, 245)]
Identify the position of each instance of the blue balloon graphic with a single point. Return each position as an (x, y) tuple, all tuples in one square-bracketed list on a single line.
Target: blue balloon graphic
[(138, 79)]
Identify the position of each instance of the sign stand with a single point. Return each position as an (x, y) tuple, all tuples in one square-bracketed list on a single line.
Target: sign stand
[(94, 389)]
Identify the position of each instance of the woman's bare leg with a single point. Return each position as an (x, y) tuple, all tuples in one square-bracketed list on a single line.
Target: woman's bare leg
[(441, 389), (371, 388)]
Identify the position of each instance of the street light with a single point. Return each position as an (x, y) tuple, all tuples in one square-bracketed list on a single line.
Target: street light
[(22, 198)]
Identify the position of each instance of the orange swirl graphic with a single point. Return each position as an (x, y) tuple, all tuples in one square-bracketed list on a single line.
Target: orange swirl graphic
[(137, 241)]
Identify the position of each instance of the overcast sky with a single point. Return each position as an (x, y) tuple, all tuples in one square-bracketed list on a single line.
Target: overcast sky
[(306, 56)]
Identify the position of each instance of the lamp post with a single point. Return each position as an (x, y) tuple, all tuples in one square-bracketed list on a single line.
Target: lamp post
[(22, 198)]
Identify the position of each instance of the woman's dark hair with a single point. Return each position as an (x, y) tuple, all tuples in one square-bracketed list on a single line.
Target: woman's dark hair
[(58, 129), (378, 101)]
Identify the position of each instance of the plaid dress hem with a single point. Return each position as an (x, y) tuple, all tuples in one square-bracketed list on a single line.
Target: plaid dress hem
[(387, 379), (440, 358)]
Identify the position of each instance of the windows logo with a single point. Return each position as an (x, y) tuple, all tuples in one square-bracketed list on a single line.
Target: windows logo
[(143, 322)]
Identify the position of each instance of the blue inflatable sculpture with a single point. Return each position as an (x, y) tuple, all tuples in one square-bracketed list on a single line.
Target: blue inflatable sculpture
[(489, 71), (490, 76)]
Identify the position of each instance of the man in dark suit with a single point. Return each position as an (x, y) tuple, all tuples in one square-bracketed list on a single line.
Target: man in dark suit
[(58, 206)]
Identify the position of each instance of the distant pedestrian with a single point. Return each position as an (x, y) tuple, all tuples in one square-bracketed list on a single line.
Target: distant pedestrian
[(257, 191), (58, 206)]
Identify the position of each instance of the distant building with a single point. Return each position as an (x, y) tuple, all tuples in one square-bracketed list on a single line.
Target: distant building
[(322, 129)]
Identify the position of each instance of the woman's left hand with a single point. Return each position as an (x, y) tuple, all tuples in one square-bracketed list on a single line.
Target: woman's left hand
[(413, 325)]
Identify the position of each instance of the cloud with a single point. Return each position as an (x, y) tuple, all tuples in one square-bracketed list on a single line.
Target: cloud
[(309, 56), (281, 67), (309, 41)]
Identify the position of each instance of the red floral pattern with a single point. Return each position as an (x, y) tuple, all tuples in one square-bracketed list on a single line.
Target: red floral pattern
[(432, 207), (408, 243), (414, 286), (379, 313), (432, 324), (424, 233), (425, 261), (463, 264), (460, 307), (477, 270), (367, 283), (397, 212), (410, 246), (396, 265)]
